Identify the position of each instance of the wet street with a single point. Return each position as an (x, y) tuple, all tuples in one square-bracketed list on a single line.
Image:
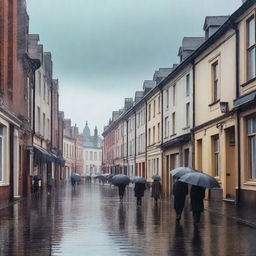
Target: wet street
[(91, 221)]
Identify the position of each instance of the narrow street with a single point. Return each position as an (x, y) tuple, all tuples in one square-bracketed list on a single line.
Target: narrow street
[(91, 221)]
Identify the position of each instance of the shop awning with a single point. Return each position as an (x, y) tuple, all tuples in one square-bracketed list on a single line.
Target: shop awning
[(245, 100), (42, 154), (177, 141)]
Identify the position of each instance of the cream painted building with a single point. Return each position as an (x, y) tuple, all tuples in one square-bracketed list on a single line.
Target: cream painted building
[(140, 110), (154, 153), (215, 92), (177, 122), (245, 105)]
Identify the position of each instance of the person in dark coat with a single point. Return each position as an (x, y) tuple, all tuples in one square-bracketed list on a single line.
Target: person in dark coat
[(73, 182), (180, 191), (139, 191), (121, 190), (156, 190), (197, 195)]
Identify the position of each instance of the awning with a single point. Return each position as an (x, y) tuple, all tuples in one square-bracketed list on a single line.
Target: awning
[(42, 154), (58, 160), (179, 140), (245, 100)]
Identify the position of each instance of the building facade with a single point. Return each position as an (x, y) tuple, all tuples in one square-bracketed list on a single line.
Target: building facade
[(92, 151)]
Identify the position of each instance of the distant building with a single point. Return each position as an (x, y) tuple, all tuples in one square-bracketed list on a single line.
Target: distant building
[(92, 150)]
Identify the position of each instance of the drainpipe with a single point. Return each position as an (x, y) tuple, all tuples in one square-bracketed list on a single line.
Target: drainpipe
[(127, 147), (162, 128), (146, 139), (193, 121), (238, 201), (135, 142), (11, 162)]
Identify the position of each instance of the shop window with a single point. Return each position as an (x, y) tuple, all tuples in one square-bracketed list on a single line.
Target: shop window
[(251, 131)]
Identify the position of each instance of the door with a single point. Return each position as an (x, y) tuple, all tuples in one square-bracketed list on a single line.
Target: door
[(230, 163)]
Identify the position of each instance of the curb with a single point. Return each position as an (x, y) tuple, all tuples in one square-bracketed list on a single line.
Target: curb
[(239, 220)]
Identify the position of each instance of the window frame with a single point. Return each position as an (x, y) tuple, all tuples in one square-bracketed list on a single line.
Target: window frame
[(215, 81), (253, 134), (2, 176), (216, 153), (250, 47)]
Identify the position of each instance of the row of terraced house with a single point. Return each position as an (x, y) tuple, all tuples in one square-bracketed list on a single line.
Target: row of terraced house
[(31, 126), (199, 113)]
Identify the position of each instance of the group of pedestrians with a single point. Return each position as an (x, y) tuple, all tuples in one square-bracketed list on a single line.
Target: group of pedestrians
[(197, 194), (180, 192)]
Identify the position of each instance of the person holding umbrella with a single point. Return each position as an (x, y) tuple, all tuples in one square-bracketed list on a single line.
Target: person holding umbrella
[(200, 182), (197, 195), (156, 188), (140, 187), (121, 181), (180, 191), (121, 190)]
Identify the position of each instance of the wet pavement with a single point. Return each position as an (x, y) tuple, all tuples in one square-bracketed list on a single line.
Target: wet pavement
[(91, 221)]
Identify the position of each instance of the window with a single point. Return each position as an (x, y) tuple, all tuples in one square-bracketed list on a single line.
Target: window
[(216, 156), (174, 95), (251, 130), (187, 114), (166, 127), (100, 156), (159, 104), (154, 108), (154, 134), (173, 123), (186, 157), (39, 82), (187, 85), (91, 156), (215, 81), (44, 90), (149, 112), (158, 131), (95, 156), (149, 136), (48, 129), (44, 124), (251, 48), (38, 119), (86, 155), (1, 153), (48, 97), (167, 98)]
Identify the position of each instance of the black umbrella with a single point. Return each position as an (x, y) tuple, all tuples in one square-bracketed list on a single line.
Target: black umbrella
[(139, 179), (200, 179), (76, 176), (156, 177), (180, 171), (120, 179)]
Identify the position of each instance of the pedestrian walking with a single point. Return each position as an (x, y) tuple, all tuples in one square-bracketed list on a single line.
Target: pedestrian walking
[(139, 192), (197, 195), (121, 190), (35, 185), (156, 190), (73, 182), (180, 191)]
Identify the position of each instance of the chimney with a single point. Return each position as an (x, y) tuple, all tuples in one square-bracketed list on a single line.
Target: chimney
[(128, 103)]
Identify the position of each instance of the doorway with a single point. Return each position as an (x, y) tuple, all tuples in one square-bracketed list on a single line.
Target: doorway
[(230, 163)]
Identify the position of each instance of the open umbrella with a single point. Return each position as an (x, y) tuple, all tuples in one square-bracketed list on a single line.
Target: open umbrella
[(180, 171), (76, 176), (120, 179), (139, 179), (200, 179), (156, 177)]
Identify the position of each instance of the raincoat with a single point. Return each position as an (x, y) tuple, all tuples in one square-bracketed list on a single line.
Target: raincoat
[(156, 189)]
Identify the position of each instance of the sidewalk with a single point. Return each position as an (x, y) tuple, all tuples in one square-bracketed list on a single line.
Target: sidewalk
[(229, 210)]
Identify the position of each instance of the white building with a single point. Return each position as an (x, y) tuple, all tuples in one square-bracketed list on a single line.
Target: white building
[(92, 151)]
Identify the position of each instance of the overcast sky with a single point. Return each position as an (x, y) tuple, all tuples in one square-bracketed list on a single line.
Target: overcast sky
[(103, 50)]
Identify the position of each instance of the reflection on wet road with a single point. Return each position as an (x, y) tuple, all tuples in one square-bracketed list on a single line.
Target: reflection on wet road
[(91, 221)]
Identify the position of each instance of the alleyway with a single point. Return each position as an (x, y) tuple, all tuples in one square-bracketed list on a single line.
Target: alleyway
[(91, 221)]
